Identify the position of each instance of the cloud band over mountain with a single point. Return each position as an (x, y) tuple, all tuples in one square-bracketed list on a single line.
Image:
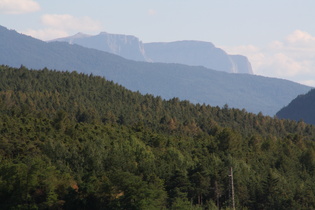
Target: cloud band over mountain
[(292, 58)]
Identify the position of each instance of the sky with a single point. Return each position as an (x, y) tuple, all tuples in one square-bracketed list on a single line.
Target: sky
[(277, 36)]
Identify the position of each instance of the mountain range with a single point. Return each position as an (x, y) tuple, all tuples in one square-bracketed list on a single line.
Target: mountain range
[(193, 53), (301, 108), (194, 83)]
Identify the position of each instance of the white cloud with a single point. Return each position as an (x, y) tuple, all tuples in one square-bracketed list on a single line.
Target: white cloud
[(292, 58), (282, 65), (300, 37), (46, 34), (69, 22), (152, 12), (276, 45), (57, 26), (18, 6)]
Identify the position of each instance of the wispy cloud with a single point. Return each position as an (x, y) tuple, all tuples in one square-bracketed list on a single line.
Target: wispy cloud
[(61, 25), (70, 22), (18, 6), (46, 34), (152, 12), (292, 58), (299, 38)]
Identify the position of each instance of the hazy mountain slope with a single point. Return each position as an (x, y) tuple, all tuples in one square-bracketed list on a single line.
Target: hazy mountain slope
[(197, 84), (197, 53), (301, 108)]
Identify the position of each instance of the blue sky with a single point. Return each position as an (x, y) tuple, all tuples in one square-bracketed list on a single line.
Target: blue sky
[(278, 36)]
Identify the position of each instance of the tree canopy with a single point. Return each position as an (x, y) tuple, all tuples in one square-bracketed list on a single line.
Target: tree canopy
[(75, 141)]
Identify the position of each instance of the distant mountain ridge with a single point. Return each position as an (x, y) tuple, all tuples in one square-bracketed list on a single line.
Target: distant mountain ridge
[(193, 53), (301, 108), (129, 47), (196, 84), (198, 53)]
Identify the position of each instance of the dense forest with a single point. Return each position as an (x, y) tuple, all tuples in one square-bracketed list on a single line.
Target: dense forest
[(75, 141)]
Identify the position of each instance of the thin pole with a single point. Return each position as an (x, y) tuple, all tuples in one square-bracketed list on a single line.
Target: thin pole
[(232, 188)]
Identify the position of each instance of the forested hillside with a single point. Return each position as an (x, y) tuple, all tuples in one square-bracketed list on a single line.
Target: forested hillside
[(75, 141), (301, 108)]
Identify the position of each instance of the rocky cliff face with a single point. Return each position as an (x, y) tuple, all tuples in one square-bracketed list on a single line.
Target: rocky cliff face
[(241, 64), (197, 53), (126, 46), (194, 53)]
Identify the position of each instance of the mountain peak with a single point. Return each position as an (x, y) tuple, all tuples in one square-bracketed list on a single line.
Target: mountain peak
[(70, 39), (80, 35), (127, 38), (127, 46), (103, 33)]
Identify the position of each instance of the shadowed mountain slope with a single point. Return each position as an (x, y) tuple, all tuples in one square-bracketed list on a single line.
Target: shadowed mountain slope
[(301, 108)]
